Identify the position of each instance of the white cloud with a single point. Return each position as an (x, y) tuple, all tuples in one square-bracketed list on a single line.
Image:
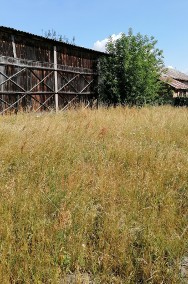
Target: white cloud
[(170, 67), (100, 45)]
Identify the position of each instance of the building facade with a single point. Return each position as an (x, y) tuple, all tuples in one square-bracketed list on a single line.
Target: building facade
[(38, 73), (178, 82)]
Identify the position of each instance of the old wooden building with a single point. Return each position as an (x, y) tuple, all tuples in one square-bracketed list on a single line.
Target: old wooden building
[(178, 83), (37, 73)]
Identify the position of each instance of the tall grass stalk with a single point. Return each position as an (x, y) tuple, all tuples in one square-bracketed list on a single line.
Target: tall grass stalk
[(102, 192)]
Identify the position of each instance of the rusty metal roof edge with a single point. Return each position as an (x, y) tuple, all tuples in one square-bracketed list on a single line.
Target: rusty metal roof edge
[(38, 37)]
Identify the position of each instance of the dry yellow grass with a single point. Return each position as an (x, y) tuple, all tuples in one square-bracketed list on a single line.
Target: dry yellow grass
[(102, 192)]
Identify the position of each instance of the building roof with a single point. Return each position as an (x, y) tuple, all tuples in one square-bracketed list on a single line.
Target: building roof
[(37, 37), (175, 74), (174, 83), (175, 78)]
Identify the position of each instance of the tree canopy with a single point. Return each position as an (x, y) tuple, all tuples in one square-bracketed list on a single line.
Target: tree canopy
[(130, 74)]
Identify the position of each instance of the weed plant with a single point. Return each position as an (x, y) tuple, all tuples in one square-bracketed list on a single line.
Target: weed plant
[(102, 192)]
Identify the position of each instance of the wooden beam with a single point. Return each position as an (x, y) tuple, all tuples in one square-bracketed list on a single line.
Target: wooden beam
[(4, 60), (12, 105), (55, 80), (10, 78), (89, 83), (68, 83), (43, 104), (41, 80), (13, 46)]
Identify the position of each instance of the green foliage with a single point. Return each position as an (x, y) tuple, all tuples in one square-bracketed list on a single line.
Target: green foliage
[(130, 74), (52, 34), (165, 94)]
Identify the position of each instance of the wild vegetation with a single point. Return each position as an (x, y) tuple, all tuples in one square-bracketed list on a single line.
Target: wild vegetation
[(52, 34), (102, 193), (130, 75)]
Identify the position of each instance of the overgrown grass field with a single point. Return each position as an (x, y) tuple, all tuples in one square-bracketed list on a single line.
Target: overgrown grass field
[(97, 192)]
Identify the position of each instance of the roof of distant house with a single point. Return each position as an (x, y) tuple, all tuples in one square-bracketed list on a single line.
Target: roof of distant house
[(174, 83), (175, 78), (175, 74)]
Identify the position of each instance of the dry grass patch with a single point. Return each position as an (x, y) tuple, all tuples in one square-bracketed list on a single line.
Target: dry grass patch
[(101, 193)]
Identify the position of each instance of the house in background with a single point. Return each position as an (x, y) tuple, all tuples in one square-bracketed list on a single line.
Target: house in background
[(178, 82)]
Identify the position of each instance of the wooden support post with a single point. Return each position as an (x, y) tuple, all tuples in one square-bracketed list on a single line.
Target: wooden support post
[(2, 78), (55, 80), (13, 46), (96, 88)]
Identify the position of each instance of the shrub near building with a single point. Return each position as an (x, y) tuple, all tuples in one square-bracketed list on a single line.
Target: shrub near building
[(131, 74)]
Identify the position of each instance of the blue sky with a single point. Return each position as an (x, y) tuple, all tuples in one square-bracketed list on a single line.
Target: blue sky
[(92, 21)]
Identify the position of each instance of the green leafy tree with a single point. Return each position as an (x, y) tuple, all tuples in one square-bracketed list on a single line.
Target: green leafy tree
[(131, 71)]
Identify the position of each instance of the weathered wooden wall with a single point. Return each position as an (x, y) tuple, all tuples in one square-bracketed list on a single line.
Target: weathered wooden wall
[(41, 74)]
